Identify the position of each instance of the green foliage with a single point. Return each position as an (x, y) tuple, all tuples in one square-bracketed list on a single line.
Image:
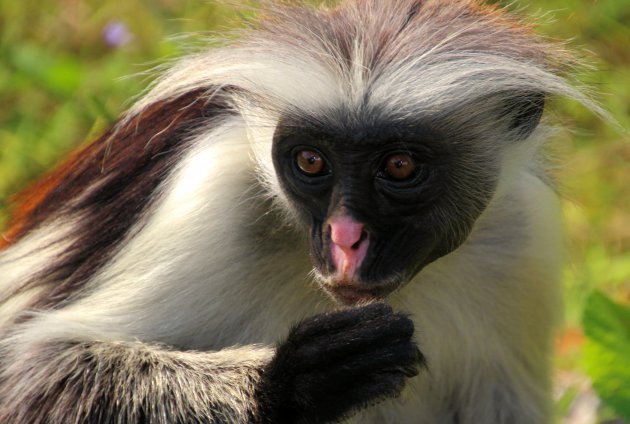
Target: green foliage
[(607, 351)]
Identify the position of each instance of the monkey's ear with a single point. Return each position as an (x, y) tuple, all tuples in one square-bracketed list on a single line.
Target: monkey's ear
[(524, 110)]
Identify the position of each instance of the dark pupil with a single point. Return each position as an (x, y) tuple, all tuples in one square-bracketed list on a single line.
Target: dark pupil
[(400, 166), (310, 162)]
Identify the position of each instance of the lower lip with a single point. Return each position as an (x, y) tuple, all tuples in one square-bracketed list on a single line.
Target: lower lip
[(353, 296)]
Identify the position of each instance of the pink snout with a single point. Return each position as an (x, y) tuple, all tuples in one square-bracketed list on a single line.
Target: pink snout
[(349, 244)]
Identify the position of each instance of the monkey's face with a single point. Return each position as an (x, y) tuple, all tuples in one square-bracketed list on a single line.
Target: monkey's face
[(379, 203)]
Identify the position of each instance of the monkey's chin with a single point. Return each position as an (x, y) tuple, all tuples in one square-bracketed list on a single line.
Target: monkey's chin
[(348, 296), (351, 293)]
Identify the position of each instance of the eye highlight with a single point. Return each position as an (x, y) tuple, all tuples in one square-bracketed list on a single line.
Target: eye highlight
[(310, 162), (399, 167)]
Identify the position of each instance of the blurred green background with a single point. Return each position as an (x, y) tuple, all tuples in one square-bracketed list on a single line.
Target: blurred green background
[(67, 70)]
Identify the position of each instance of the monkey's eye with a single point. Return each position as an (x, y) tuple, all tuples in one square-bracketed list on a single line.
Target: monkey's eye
[(398, 167), (310, 162)]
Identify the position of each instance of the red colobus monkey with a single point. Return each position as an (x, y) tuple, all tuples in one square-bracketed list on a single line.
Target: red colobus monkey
[(385, 153)]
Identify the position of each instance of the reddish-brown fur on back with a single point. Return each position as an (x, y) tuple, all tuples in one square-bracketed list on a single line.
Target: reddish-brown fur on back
[(25, 203), (107, 185), (121, 151)]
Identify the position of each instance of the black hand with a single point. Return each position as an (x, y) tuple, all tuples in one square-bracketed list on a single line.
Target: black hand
[(332, 364)]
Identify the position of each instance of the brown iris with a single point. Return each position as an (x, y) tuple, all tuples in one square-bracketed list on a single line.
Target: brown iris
[(400, 166), (310, 162)]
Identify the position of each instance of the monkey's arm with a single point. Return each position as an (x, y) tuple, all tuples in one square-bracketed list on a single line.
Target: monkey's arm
[(109, 382), (328, 366)]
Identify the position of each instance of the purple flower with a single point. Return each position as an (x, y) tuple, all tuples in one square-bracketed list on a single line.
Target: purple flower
[(116, 34)]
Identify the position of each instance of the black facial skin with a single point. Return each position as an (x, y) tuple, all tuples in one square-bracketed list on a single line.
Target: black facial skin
[(411, 223)]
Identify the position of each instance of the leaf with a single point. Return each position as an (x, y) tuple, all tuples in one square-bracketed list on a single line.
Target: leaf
[(607, 351)]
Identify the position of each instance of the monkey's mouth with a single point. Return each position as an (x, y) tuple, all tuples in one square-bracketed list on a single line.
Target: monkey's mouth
[(351, 293)]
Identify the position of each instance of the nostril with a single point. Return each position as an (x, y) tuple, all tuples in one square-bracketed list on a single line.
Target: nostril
[(356, 245)]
